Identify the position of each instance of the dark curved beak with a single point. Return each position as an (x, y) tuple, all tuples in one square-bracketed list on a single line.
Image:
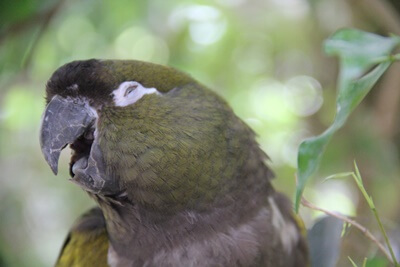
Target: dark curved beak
[(63, 121)]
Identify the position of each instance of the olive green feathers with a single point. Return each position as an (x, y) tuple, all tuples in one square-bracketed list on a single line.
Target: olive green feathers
[(179, 179)]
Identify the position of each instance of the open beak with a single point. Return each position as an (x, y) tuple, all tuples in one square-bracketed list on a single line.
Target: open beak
[(63, 122), (72, 121)]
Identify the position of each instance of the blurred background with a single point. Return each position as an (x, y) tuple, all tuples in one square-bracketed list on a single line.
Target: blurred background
[(263, 56)]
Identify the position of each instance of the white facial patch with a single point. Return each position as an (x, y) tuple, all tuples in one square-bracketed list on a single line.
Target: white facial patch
[(130, 92)]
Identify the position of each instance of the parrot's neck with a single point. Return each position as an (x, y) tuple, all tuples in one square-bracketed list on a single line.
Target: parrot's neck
[(131, 227), (139, 229)]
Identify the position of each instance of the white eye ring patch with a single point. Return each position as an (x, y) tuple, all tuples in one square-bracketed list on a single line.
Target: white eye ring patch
[(130, 92)]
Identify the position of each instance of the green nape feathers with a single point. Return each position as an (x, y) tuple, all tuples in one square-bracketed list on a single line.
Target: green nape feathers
[(179, 179)]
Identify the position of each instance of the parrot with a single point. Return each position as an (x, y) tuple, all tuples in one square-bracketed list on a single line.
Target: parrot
[(178, 178)]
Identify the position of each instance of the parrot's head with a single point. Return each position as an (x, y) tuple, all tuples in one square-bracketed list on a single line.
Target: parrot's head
[(145, 134)]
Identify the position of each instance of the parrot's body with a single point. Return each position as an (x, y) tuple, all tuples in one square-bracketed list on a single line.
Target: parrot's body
[(179, 179)]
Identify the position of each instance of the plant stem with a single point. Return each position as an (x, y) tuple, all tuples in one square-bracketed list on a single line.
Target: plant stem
[(362, 228), (358, 179), (375, 212), (382, 59)]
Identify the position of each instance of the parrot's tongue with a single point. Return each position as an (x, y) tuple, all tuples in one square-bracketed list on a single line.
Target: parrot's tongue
[(81, 151), (80, 164)]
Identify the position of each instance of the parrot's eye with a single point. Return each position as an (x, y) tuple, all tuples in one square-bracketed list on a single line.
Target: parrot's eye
[(130, 89), (130, 92)]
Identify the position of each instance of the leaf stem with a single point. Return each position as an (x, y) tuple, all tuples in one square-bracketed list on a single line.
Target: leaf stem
[(390, 58), (375, 212), (368, 198)]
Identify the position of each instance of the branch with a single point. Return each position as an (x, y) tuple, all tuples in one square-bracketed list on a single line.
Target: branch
[(38, 18), (346, 219), (46, 19)]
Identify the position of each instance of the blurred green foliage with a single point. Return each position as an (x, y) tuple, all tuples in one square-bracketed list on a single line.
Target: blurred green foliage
[(358, 52), (263, 56)]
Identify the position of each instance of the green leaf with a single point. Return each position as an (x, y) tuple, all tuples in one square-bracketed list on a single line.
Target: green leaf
[(377, 262), (358, 51), (346, 227), (339, 175)]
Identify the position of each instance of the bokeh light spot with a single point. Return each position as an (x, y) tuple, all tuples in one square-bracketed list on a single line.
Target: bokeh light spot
[(206, 23), (21, 109), (303, 95), (137, 43)]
